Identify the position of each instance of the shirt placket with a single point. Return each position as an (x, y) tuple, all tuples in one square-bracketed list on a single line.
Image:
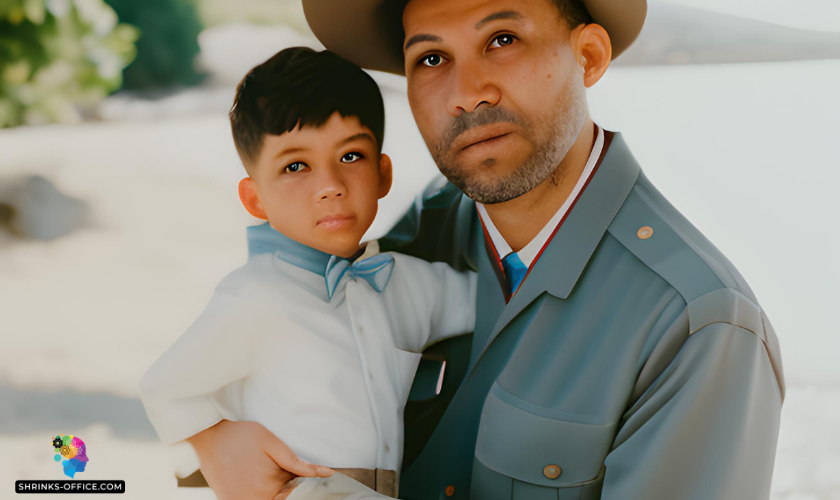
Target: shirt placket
[(372, 359)]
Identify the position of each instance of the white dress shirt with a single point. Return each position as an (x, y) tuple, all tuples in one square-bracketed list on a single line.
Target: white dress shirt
[(530, 251), (330, 377)]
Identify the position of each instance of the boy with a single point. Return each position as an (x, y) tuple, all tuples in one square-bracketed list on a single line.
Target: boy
[(310, 304)]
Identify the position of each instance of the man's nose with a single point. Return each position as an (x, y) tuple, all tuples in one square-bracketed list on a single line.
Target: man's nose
[(472, 86), (331, 184)]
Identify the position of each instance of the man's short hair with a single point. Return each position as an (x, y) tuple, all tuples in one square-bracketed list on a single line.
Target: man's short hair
[(299, 85), (574, 12)]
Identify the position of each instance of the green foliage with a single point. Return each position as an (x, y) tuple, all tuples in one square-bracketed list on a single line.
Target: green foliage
[(168, 42), (58, 57)]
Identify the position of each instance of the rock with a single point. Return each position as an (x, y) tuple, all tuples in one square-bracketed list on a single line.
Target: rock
[(32, 207)]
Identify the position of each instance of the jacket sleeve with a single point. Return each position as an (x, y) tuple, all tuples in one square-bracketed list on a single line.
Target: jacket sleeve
[(213, 352), (434, 229), (706, 428)]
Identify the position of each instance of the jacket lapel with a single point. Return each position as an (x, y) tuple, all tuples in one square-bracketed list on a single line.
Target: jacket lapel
[(561, 263)]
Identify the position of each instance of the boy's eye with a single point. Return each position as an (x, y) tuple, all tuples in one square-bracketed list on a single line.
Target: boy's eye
[(431, 60), (502, 40), (351, 157), (294, 167)]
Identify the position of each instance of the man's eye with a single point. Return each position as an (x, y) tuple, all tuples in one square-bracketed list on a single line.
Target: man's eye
[(501, 40), (351, 157), (294, 167), (431, 60)]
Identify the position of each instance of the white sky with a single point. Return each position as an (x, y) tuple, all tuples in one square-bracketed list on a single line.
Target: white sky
[(821, 15)]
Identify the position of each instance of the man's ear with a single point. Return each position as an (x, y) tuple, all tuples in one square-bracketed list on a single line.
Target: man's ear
[(386, 175), (593, 52), (248, 196)]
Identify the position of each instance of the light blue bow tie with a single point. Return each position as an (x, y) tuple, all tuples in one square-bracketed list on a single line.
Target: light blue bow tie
[(376, 270)]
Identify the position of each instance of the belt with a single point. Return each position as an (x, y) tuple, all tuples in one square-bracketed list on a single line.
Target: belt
[(382, 481)]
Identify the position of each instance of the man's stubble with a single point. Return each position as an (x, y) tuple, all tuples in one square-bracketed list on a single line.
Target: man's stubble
[(551, 144)]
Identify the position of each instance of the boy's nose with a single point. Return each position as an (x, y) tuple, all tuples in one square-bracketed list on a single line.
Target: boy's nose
[(330, 193), (332, 186)]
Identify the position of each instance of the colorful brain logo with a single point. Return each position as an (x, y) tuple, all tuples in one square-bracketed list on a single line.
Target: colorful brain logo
[(73, 452)]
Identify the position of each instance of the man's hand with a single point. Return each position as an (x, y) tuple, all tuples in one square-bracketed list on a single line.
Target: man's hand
[(245, 460)]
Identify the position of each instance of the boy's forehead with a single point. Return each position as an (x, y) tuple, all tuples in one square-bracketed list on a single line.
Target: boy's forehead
[(336, 131)]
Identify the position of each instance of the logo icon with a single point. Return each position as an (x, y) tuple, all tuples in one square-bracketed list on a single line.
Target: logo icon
[(73, 451)]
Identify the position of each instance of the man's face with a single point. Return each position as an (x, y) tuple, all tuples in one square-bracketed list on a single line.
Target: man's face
[(495, 89)]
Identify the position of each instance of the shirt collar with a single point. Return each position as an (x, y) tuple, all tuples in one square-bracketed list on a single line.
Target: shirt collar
[(263, 238), (530, 251)]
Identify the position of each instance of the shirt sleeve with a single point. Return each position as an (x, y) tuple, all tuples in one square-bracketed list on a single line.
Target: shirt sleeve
[(428, 302), (454, 308), (213, 352), (706, 428)]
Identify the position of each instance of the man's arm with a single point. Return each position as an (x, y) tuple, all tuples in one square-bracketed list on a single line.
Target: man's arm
[(706, 428), (245, 460), (438, 227)]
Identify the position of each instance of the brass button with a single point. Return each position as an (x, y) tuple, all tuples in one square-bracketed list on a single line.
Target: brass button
[(450, 490), (552, 471), (645, 232)]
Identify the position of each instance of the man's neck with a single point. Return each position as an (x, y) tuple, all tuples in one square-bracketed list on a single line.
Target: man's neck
[(520, 219)]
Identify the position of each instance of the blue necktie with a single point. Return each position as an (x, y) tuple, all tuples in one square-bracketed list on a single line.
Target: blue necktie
[(515, 271), (376, 270)]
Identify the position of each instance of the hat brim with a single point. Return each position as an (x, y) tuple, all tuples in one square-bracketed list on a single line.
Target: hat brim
[(370, 34)]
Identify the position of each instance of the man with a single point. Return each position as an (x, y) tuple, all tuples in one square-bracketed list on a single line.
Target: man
[(616, 354)]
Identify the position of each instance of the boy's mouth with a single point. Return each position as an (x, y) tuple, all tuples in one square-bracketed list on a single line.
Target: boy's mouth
[(334, 221)]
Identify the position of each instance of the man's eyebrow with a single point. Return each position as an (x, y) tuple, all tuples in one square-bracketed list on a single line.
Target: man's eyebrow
[(421, 38), (505, 14)]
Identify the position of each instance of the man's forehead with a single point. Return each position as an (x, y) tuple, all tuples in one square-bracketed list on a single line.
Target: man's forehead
[(427, 14)]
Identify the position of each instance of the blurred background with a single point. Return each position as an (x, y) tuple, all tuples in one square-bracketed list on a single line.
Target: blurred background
[(119, 211)]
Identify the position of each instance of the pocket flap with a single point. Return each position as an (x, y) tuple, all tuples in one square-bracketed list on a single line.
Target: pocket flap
[(534, 448)]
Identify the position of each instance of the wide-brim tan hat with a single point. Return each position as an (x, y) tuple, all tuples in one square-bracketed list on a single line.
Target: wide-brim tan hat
[(370, 34)]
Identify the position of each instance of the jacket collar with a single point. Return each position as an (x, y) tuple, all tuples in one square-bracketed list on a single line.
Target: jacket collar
[(561, 263), (563, 259)]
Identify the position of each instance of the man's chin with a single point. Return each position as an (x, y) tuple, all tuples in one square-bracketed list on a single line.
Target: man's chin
[(490, 184)]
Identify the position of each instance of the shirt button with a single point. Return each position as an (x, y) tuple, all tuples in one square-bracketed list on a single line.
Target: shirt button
[(450, 490), (552, 471), (644, 232)]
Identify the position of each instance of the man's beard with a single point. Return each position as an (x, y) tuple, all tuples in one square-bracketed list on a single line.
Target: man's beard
[(569, 116)]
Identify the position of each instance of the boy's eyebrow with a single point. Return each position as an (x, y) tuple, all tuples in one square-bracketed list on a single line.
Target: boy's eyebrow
[(360, 135), (289, 151)]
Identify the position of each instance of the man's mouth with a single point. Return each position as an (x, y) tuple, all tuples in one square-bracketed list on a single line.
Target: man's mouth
[(484, 135), (485, 141)]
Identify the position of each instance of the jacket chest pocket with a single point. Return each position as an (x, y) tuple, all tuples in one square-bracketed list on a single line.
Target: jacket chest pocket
[(525, 452)]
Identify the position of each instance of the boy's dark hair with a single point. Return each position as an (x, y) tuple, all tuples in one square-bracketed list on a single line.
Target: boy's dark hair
[(301, 85)]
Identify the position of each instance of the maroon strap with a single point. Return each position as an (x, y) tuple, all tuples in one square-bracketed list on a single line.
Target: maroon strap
[(493, 254)]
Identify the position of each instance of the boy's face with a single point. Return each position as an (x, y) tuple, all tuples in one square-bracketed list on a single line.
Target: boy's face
[(319, 186)]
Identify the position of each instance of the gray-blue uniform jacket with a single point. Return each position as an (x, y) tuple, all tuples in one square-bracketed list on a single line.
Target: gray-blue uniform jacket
[(629, 365)]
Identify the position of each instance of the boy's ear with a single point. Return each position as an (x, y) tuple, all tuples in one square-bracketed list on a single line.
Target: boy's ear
[(385, 175), (248, 195)]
